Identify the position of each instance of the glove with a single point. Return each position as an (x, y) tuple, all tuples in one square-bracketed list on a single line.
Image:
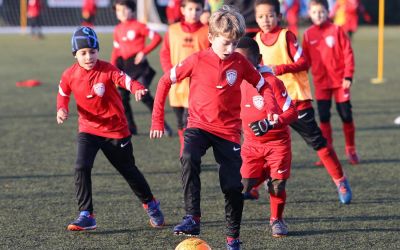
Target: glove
[(261, 127)]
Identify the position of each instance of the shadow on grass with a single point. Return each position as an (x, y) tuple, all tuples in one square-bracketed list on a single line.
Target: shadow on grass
[(334, 231)]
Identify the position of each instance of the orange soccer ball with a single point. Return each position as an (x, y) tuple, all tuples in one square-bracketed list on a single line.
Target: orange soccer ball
[(193, 244)]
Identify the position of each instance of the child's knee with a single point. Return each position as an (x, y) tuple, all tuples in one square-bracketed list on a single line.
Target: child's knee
[(344, 110), (276, 187)]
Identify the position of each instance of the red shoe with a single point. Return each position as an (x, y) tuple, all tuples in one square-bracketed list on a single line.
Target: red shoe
[(352, 156)]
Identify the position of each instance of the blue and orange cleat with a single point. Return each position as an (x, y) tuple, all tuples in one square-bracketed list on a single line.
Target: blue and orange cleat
[(253, 194), (233, 244), (85, 221), (154, 212), (352, 156), (188, 227), (344, 190)]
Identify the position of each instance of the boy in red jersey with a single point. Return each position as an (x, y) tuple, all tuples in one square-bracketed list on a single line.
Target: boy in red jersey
[(182, 40), (89, 10), (281, 51), (129, 55), (266, 156), (214, 118), (329, 51), (102, 125), (34, 18)]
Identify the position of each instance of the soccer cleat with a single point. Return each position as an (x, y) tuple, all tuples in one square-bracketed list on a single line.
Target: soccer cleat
[(352, 156), (85, 221), (153, 211), (278, 228), (188, 226), (251, 195), (233, 244), (344, 190)]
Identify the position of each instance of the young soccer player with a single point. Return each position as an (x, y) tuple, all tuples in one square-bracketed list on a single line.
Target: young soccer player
[(182, 40), (214, 118), (34, 17), (329, 51), (129, 55), (281, 51), (268, 156), (89, 10), (102, 125)]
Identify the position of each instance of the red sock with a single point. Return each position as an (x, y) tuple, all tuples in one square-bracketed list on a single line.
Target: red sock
[(181, 140), (349, 134), (331, 162), (326, 131), (277, 205)]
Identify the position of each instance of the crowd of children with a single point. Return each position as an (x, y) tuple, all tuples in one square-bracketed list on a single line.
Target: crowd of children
[(219, 84)]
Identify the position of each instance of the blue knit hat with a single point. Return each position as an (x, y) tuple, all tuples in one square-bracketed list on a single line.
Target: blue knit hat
[(84, 37)]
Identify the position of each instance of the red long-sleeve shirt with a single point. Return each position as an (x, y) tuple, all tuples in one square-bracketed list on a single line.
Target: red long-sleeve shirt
[(214, 101), (253, 108), (300, 63), (98, 102), (130, 39), (34, 7), (330, 54)]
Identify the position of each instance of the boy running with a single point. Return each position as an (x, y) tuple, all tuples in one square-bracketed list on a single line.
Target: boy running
[(129, 55), (268, 156), (281, 51), (102, 125), (182, 40), (214, 118), (331, 57)]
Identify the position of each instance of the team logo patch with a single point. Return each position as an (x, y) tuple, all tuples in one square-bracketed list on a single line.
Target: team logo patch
[(330, 41), (231, 76), (99, 89), (258, 102), (131, 34)]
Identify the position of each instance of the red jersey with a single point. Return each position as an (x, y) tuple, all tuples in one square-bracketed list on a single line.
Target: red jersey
[(214, 100), (253, 108), (98, 102), (34, 7), (130, 39), (330, 54), (89, 6)]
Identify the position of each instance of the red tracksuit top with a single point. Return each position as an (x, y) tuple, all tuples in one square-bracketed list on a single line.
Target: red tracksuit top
[(214, 100), (34, 8), (130, 39), (99, 104), (253, 108), (330, 55)]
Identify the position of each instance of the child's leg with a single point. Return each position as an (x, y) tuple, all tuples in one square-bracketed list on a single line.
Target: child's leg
[(324, 112), (88, 146), (120, 154), (125, 95), (178, 111), (196, 144), (227, 155)]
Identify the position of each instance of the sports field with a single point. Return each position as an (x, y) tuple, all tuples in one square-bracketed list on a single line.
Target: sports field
[(37, 160)]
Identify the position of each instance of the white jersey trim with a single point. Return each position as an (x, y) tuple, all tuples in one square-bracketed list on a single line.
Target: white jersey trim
[(172, 74), (61, 92), (286, 105), (298, 54), (128, 82)]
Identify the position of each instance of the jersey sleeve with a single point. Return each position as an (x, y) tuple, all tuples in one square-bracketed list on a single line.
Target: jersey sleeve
[(174, 75), (165, 54), (252, 76), (121, 79), (64, 92), (345, 46), (289, 112), (155, 39), (296, 54)]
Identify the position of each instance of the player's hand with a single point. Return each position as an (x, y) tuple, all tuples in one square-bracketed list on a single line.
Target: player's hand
[(62, 115), (140, 93), (273, 119), (261, 127), (156, 134), (346, 83), (139, 57)]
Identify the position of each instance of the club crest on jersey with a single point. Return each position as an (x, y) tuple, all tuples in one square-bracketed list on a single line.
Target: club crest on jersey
[(258, 102), (231, 76), (330, 41), (99, 89)]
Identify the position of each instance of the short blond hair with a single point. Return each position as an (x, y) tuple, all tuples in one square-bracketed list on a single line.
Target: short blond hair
[(228, 22)]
